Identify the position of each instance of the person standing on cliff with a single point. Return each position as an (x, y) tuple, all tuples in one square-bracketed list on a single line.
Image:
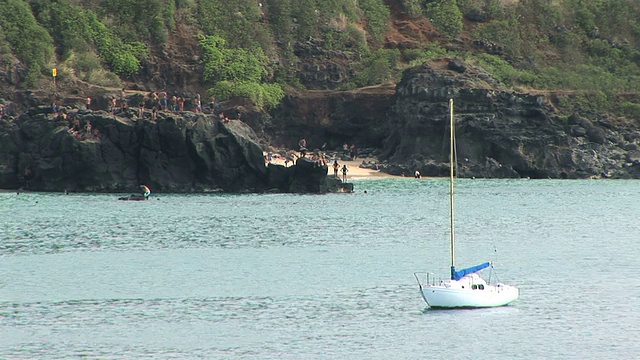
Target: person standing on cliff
[(344, 173), (302, 144), (164, 102), (123, 100), (198, 104), (181, 103), (336, 167)]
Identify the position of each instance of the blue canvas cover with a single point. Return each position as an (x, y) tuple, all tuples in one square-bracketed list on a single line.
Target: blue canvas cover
[(459, 274)]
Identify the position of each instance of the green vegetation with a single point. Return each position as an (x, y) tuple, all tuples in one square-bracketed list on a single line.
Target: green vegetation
[(237, 72), (78, 31), (587, 49), (591, 48), (263, 95), (416, 57), (413, 8), (377, 14), (29, 41), (446, 16), (378, 68)]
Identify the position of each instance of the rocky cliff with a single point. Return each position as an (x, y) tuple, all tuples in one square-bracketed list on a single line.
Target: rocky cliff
[(333, 118), (186, 152), (500, 133)]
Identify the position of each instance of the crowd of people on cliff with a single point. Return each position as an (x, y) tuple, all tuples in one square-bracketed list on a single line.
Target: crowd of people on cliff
[(147, 108), (155, 101), (80, 129)]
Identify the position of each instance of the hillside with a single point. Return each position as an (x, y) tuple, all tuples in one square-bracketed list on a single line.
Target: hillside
[(587, 53)]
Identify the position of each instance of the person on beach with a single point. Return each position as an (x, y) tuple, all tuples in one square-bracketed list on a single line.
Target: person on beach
[(417, 174), (353, 151), (336, 167), (344, 173)]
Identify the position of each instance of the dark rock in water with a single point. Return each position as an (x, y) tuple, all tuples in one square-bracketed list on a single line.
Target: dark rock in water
[(133, 198), (187, 153), (335, 185), (309, 177), (499, 133)]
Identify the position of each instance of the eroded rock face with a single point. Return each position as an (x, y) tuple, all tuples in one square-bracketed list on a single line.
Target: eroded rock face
[(499, 133), (332, 118), (185, 152), (318, 68)]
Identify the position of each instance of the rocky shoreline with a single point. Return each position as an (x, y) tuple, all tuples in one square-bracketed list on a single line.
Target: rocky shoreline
[(185, 152), (500, 133)]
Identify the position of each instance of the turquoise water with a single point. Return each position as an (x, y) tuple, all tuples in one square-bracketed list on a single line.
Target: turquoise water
[(319, 277)]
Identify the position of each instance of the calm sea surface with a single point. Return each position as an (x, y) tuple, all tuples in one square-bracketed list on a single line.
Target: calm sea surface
[(320, 277)]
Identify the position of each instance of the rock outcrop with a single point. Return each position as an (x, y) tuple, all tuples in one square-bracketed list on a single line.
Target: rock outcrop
[(184, 152), (500, 134), (332, 118)]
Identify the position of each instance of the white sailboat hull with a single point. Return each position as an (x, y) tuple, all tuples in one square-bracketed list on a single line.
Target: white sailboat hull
[(447, 295)]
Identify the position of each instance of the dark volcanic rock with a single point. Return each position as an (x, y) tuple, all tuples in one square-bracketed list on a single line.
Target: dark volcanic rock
[(177, 153), (332, 118), (499, 133), (318, 68)]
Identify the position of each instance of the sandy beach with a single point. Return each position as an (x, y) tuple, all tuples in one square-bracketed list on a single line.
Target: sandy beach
[(355, 171)]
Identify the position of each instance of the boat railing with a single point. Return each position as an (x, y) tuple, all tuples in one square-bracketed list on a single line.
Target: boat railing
[(427, 279)]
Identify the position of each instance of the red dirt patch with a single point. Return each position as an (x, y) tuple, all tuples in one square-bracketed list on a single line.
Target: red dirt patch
[(405, 32)]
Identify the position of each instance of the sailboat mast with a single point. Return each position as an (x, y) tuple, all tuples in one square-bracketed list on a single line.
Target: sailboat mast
[(451, 176)]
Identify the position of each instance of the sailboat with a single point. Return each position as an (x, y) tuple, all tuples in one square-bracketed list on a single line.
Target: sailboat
[(465, 288)]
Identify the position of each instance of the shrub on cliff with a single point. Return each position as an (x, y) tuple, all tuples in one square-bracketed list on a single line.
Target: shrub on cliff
[(446, 17), (29, 41), (239, 22), (77, 31), (138, 20), (379, 67), (123, 58), (377, 15), (412, 7), (506, 73), (237, 72), (222, 63), (264, 96)]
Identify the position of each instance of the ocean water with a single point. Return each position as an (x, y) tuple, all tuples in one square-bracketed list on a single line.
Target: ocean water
[(220, 276)]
